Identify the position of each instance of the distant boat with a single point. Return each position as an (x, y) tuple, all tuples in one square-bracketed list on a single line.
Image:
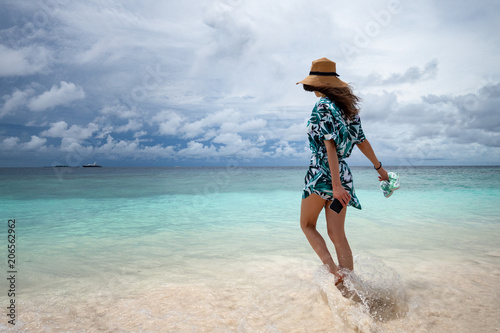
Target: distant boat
[(93, 165)]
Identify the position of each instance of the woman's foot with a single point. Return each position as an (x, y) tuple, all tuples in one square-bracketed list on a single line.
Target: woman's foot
[(339, 278)]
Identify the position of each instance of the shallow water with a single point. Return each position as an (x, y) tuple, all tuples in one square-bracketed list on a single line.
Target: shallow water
[(220, 250)]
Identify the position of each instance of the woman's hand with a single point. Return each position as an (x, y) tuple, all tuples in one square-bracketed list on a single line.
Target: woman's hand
[(382, 174), (341, 194)]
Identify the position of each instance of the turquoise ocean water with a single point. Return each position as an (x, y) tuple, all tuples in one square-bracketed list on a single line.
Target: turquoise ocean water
[(221, 250)]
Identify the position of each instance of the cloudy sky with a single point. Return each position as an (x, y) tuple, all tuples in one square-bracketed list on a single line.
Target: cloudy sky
[(167, 83)]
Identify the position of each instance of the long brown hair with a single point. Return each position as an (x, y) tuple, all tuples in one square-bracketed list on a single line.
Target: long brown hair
[(343, 97)]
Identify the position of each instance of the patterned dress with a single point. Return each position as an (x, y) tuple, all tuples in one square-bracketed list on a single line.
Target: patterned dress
[(327, 123)]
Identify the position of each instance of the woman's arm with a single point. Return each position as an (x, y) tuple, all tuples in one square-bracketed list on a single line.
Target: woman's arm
[(333, 162), (367, 150)]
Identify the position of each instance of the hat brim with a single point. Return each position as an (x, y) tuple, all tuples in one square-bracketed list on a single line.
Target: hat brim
[(323, 81)]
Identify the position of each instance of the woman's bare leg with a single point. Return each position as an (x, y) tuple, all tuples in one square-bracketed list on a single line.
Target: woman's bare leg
[(335, 226), (309, 212)]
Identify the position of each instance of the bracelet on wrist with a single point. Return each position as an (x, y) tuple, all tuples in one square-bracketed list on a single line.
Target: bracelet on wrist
[(378, 166)]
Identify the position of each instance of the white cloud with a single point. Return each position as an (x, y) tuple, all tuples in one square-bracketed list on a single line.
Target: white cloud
[(197, 128), (235, 145), (35, 143), (132, 125), (119, 149), (10, 143), (63, 95), (120, 111), (57, 130), (295, 132), (198, 151), (139, 134), (102, 50), (75, 132), (283, 150), (244, 127), (228, 139), (16, 100), (170, 122), (220, 122), (23, 61), (13, 144), (230, 145)]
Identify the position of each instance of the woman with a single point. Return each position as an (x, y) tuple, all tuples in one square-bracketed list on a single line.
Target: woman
[(333, 130)]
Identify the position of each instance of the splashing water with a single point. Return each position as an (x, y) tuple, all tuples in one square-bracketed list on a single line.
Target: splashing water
[(372, 293)]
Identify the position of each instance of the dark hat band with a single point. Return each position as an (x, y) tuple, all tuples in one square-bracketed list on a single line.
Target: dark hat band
[(323, 73)]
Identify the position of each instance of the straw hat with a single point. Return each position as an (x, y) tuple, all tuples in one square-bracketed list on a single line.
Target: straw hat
[(323, 74)]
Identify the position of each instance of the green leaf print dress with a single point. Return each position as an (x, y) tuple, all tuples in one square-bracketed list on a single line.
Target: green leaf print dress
[(327, 123)]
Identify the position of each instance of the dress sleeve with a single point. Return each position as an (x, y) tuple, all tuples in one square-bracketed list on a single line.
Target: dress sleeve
[(328, 124)]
